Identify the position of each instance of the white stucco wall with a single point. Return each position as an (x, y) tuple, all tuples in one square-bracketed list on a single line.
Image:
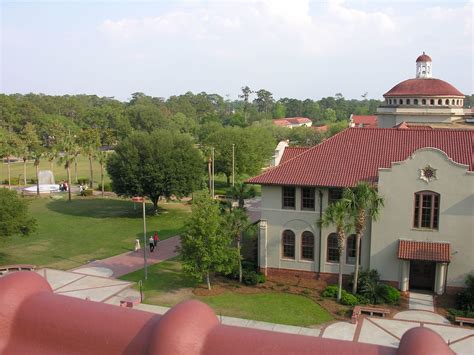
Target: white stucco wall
[(298, 221), (456, 218)]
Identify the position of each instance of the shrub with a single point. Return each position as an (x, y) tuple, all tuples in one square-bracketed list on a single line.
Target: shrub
[(87, 192), (458, 313), (13, 181), (33, 181), (348, 298), (248, 265), (261, 278), (390, 294), (107, 187), (250, 277), (330, 291), (362, 300), (83, 181), (465, 299)]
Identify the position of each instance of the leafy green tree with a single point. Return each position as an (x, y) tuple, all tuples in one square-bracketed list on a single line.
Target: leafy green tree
[(264, 101), (14, 216), (279, 110), (162, 163), (330, 115), (363, 201), (12, 146), (336, 214), (37, 154), (31, 142), (205, 247)]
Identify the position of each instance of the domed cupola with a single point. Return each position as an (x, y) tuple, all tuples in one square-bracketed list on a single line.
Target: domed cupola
[(423, 66)]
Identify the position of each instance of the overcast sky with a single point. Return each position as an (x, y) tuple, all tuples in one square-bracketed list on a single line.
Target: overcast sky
[(294, 48)]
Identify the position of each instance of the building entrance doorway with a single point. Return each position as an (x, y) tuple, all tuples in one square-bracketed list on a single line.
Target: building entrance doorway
[(422, 274)]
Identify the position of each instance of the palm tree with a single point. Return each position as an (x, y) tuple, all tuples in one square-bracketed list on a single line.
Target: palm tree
[(102, 158), (240, 192), (362, 201), (336, 214), (36, 155), (237, 221), (69, 149), (90, 142)]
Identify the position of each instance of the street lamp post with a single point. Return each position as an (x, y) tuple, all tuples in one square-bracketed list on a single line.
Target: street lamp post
[(142, 200)]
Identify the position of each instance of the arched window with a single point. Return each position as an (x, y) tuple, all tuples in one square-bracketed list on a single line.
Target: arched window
[(332, 249), (307, 246), (447, 102), (400, 101), (431, 102), (408, 101), (288, 241), (426, 213), (457, 102), (351, 250), (423, 102), (440, 102), (452, 101), (415, 101)]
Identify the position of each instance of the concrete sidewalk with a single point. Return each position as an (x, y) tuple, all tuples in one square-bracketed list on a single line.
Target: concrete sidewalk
[(126, 263)]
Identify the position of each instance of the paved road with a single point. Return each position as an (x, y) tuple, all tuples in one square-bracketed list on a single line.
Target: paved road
[(131, 261)]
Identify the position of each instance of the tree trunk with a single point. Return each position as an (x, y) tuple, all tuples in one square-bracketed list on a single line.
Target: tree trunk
[(208, 281), (356, 268), (339, 291), (228, 179), (102, 177), (155, 205), (91, 172), (69, 181), (241, 202), (75, 171), (24, 170), (209, 170), (51, 165), (240, 261), (9, 172), (37, 179)]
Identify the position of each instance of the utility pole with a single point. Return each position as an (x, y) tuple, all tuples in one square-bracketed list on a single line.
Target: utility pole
[(213, 171), (233, 165), (144, 240)]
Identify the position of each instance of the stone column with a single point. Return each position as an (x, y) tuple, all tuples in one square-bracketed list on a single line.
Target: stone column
[(440, 278), (405, 275), (262, 246)]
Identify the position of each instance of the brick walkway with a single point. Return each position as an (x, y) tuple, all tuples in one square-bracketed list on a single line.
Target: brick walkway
[(131, 261)]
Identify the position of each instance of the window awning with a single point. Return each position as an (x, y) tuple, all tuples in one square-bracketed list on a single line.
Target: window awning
[(420, 250)]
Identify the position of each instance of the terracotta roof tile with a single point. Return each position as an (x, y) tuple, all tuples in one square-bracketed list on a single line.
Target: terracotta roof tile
[(292, 152), (420, 250), (356, 155), (369, 121)]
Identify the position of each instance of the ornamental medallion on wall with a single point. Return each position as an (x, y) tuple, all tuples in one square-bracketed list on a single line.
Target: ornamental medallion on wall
[(428, 173)]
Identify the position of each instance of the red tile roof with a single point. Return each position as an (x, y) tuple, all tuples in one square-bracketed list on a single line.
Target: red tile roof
[(320, 129), (369, 121), (419, 250), (356, 155), (291, 152), (291, 121), (424, 58), (423, 87)]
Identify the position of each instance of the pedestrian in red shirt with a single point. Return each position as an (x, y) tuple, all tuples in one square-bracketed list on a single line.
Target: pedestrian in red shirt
[(156, 239)]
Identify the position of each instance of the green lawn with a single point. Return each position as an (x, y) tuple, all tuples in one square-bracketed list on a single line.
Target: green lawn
[(58, 170), (72, 233), (167, 286)]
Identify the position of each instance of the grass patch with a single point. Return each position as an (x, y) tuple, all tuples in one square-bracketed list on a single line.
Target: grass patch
[(167, 286), (278, 307), (72, 233)]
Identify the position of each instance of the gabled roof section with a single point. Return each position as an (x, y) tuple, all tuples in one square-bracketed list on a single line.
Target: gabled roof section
[(421, 250), (369, 121), (356, 155), (292, 152)]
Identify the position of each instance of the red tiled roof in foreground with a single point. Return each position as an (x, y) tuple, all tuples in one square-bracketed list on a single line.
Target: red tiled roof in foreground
[(291, 152), (356, 155), (419, 250), (369, 121)]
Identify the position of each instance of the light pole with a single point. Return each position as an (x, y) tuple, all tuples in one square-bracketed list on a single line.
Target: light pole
[(233, 165), (142, 200)]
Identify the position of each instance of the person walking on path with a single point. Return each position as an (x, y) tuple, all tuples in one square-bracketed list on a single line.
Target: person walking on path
[(156, 239), (137, 244), (152, 244)]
